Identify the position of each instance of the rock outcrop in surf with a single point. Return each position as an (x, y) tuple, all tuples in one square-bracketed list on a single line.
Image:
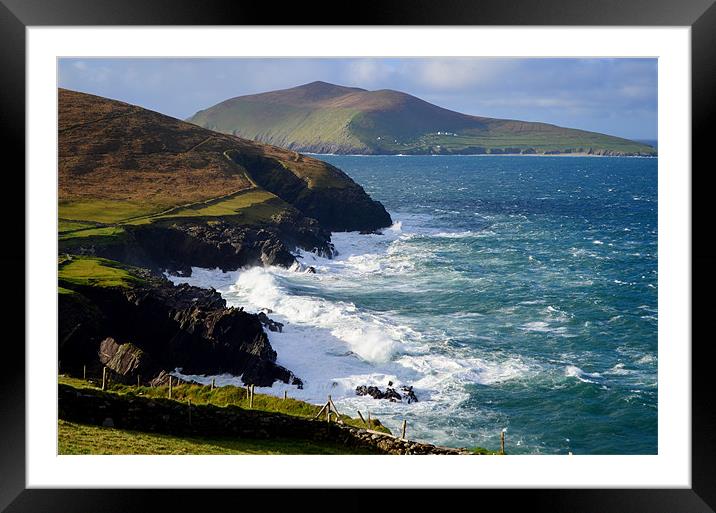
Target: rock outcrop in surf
[(155, 326)]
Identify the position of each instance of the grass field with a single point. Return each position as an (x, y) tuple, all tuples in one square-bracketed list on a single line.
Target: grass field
[(253, 206), (68, 226), (105, 211), (97, 272), (104, 232), (104, 224), (75, 438)]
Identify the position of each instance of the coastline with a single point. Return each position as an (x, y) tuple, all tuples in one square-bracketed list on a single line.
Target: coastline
[(480, 155), (363, 261)]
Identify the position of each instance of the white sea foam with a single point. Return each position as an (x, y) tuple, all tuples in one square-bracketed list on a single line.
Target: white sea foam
[(619, 370), (646, 359), (544, 327), (455, 235), (334, 346), (573, 371)]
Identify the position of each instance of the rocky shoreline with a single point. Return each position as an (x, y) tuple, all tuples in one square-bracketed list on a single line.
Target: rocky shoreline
[(177, 247)]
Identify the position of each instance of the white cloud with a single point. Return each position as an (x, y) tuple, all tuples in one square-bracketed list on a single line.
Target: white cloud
[(368, 72), (460, 73)]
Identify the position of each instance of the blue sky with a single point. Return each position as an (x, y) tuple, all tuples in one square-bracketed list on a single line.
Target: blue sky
[(613, 96)]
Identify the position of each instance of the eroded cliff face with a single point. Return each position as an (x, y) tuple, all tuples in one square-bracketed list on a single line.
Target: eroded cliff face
[(160, 327), (334, 199), (176, 247)]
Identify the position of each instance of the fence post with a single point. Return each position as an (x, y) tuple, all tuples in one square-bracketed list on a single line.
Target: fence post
[(84, 372), (361, 416), (104, 378), (170, 387), (405, 425), (213, 383), (320, 412), (251, 398), (285, 395), (335, 410), (502, 442), (328, 412), (139, 380)]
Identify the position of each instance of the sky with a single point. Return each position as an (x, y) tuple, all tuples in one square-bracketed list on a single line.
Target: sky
[(611, 96)]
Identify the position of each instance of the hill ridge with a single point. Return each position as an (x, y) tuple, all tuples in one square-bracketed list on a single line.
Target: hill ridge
[(320, 117)]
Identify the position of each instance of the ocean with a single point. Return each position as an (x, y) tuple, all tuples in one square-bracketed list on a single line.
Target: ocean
[(515, 294)]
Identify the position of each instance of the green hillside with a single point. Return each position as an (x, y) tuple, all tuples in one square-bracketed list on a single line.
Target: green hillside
[(325, 118)]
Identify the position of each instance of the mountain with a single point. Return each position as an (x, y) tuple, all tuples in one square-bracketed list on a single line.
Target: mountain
[(327, 118), (154, 191)]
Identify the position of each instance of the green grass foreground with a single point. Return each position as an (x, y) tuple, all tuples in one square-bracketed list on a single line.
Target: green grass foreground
[(85, 439), (250, 207), (223, 396)]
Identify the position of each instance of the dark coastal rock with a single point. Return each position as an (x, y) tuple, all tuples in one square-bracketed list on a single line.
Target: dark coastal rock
[(344, 209), (126, 359), (372, 391), (176, 247), (389, 393), (162, 380), (269, 323), (409, 394), (169, 327)]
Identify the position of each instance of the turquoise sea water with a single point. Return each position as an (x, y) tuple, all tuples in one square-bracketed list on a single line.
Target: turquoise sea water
[(515, 293)]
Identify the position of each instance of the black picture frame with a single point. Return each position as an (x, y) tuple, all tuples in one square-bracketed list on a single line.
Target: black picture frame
[(700, 15)]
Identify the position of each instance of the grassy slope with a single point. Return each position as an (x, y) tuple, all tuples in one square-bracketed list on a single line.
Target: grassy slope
[(84, 439), (96, 272), (283, 125), (387, 122), (120, 164)]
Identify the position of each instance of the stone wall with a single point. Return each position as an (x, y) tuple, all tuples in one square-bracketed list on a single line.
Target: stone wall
[(88, 406)]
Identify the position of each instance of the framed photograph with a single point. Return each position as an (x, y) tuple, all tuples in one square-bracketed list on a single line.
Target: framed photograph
[(428, 249)]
